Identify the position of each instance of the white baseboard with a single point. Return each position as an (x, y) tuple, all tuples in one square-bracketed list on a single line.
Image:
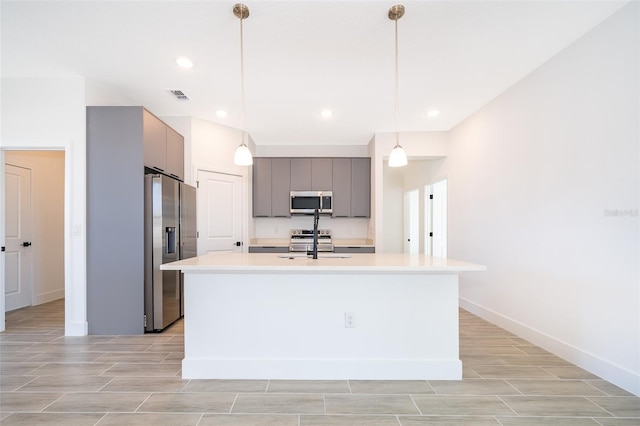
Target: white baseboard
[(322, 369), (48, 297), (626, 379), (76, 328)]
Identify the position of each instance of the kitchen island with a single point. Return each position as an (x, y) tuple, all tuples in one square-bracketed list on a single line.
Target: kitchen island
[(358, 316)]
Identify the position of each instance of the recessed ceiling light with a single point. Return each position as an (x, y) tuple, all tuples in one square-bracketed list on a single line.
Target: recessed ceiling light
[(184, 62), (221, 113), (326, 113), (433, 113)]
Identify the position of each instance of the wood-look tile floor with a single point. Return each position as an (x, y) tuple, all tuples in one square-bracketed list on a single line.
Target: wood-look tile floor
[(49, 379)]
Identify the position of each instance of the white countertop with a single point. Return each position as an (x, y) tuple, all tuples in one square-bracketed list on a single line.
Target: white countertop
[(327, 262)]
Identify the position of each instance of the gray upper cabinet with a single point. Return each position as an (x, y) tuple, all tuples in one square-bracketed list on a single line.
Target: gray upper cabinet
[(262, 187), (341, 187), (280, 187), (321, 174), (311, 174), (154, 138), (300, 174), (360, 187), (348, 178), (351, 187), (271, 177), (163, 146), (175, 154)]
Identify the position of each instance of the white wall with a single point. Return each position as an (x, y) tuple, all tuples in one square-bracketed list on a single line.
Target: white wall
[(398, 180), (418, 146), (47, 220), (210, 146), (393, 209), (49, 113), (532, 177)]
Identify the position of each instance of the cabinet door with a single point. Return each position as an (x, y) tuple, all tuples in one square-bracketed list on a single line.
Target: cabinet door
[(321, 174), (341, 187), (154, 137), (268, 249), (280, 187), (360, 187), (355, 249), (175, 154), (262, 187), (300, 174)]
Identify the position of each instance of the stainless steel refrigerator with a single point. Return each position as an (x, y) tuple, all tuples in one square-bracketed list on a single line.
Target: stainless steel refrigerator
[(161, 288), (188, 231)]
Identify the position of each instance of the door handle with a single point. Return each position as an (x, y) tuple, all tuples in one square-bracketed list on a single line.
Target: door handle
[(237, 243), (26, 244)]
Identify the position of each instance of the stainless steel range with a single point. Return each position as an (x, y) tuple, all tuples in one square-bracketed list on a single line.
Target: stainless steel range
[(302, 240)]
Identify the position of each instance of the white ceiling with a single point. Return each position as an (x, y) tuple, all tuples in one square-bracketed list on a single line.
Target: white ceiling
[(300, 57)]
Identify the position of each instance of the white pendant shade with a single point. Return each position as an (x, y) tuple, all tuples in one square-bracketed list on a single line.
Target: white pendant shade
[(243, 156), (398, 157)]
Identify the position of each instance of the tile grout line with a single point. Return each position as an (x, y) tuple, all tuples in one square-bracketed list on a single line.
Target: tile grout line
[(509, 406), (235, 398), (415, 405)]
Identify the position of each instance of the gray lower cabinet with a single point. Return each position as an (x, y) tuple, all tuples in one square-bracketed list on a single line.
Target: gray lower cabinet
[(268, 249), (355, 249), (271, 193)]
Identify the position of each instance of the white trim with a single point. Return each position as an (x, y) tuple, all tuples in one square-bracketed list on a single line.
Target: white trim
[(75, 292), (619, 376), (2, 243)]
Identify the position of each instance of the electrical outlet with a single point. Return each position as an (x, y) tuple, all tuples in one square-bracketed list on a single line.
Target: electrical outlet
[(349, 320)]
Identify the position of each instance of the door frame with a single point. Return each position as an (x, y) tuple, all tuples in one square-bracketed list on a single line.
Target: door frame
[(75, 317), (411, 221), (431, 217), (245, 199)]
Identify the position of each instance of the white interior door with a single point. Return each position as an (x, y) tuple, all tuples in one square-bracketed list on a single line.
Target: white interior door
[(17, 237), (411, 222), (219, 212), (439, 219)]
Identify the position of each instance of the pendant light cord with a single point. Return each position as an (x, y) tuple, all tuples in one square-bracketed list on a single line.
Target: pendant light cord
[(242, 80), (397, 89)]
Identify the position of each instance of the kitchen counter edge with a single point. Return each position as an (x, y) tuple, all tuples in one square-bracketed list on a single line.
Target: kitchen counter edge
[(355, 263)]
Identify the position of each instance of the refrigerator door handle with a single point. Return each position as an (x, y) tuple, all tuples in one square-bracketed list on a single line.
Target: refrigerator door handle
[(170, 234)]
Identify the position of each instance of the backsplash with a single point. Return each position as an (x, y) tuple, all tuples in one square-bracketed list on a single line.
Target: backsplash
[(341, 227)]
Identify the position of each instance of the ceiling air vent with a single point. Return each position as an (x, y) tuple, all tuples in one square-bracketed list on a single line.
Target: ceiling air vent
[(179, 94)]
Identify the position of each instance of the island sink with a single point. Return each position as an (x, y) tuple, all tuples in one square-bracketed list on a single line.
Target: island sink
[(309, 256)]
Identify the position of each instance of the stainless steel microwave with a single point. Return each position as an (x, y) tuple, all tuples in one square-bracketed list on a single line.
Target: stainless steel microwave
[(306, 202)]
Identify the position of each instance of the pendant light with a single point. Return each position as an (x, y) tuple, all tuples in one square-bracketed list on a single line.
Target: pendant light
[(242, 156), (398, 157)]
